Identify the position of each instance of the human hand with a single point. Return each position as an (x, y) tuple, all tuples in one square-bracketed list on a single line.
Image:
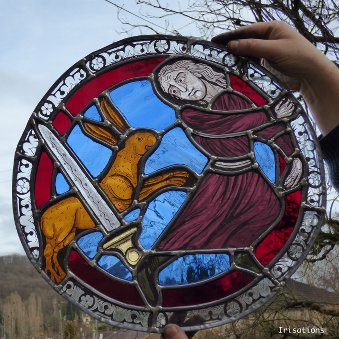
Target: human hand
[(172, 331), (299, 64), (280, 45)]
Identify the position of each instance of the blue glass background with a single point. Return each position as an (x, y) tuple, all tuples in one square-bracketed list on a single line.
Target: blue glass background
[(89, 243), (141, 107), (176, 148), (92, 154), (265, 158), (61, 184), (159, 214), (92, 113), (114, 266), (193, 268), (133, 215)]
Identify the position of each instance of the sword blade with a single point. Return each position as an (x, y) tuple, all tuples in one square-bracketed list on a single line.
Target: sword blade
[(80, 180)]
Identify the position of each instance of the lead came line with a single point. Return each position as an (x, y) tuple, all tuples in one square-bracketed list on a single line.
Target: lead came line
[(80, 180)]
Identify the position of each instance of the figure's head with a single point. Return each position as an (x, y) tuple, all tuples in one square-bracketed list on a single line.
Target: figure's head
[(190, 81), (141, 141)]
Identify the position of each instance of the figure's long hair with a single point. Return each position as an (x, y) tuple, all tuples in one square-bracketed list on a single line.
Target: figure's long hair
[(198, 69)]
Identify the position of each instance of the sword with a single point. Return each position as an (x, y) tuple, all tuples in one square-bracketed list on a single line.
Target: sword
[(80, 180)]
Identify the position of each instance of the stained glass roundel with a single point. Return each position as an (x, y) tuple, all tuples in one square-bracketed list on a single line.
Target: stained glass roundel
[(162, 180)]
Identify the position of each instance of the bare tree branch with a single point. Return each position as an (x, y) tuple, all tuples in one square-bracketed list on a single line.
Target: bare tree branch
[(317, 20)]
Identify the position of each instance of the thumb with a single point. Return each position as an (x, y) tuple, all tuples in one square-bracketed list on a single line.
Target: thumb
[(254, 48), (172, 331)]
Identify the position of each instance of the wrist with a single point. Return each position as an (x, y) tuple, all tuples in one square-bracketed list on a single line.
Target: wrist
[(320, 89), (318, 76)]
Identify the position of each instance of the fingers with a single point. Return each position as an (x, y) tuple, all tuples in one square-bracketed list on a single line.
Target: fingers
[(260, 30), (172, 331), (261, 40), (254, 47)]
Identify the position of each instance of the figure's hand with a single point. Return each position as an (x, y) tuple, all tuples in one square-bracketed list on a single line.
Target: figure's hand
[(172, 331), (295, 174), (284, 108), (283, 47)]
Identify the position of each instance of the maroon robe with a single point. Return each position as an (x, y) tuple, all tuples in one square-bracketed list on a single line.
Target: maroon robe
[(226, 210)]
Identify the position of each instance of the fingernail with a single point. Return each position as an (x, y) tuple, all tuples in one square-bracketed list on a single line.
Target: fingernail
[(233, 45), (170, 331)]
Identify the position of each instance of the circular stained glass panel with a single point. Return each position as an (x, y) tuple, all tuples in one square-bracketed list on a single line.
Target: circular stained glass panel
[(163, 179)]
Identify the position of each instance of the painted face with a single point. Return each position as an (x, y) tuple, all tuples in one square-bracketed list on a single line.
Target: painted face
[(184, 85)]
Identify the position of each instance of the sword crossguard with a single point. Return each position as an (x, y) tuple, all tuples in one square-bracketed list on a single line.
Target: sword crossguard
[(123, 243)]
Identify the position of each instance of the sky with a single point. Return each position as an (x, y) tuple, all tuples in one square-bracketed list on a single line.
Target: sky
[(40, 40)]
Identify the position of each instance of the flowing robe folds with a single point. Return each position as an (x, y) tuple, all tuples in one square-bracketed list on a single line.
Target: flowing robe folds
[(227, 210)]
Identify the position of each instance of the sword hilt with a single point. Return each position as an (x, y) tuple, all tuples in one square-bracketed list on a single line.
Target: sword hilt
[(123, 243)]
